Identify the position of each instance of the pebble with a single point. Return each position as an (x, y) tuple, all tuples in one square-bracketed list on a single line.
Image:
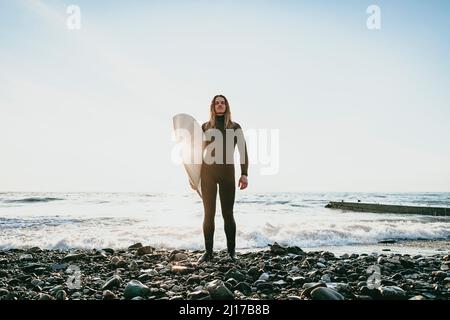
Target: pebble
[(134, 289), (392, 292), (277, 273), (113, 282), (144, 250), (219, 291), (326, 294), (109, 295)]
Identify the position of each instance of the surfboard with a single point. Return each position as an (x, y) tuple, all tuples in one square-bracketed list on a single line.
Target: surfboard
[(189, 134)]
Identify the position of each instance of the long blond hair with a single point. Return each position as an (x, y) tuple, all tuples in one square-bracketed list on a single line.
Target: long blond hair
[(212, 118)]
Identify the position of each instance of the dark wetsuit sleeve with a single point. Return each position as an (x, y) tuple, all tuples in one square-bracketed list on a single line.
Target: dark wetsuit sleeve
[(242, 147)]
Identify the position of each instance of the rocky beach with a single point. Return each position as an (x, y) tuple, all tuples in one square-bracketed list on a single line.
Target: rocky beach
[(143, 272)]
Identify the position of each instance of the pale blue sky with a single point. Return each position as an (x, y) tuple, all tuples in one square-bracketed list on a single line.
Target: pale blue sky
[(357, 110)]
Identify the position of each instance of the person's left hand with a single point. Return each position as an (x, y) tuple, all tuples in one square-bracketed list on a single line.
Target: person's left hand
[(243, 182)]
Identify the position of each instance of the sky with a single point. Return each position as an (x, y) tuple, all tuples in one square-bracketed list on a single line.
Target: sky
[(355, 109)]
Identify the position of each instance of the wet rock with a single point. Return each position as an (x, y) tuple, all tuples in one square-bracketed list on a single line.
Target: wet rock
[(109, 295), (26, 257), (297, 281), (181, 269), (113, 282), (392, 292), (419, 297), (118, 262), (264, 277), (320, 265), (277, 249), (326, 294), (135, 246), (109, 250), (3, 292), (73, 256), (193, 279), (58, 266), (61, 295), (178, 256), (219, 291), (264, 286), (198, 295), (144, 250), (309, 287), (295, 250), (134, 289), (439, 274), (44, 296), (37, 268), (244, 288), (254, 272), (235, 274), (326, 278), (76, 295), (280, 283)]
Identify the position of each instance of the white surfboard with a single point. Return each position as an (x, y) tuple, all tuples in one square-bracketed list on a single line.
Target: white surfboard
[(189, 134)]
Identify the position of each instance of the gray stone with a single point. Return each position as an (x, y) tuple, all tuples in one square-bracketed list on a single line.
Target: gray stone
[(392, 292), (113, 282), (254, 272), (264, 286), (37, 282), (26, 257), (108, 295), (58, 266), (219, 291), (181, 269), (61, 295), (180, 256), (280, 282), (244, 288), (235, 274), (194, 279), (144, 250), (264, 277), (298, 281), (198, 295), (326, 278), (3, 292), (73, 256), (326, 294), (134, 289), (44, 296), (76, 295), (135, 246), (419, 297), (278, 249)]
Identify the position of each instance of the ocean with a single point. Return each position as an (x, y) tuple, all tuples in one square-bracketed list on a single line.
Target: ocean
[(174, 221)]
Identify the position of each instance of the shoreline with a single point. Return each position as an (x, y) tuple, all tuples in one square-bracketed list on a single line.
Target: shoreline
[(277, 272)]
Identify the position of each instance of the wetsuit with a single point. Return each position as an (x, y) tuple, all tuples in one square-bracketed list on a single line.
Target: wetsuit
[(221, 174)]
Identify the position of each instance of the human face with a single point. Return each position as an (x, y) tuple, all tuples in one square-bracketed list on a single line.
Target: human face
[(219, 106)]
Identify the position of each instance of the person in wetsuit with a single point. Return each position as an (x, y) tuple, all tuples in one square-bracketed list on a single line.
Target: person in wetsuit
[(218, 171)]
